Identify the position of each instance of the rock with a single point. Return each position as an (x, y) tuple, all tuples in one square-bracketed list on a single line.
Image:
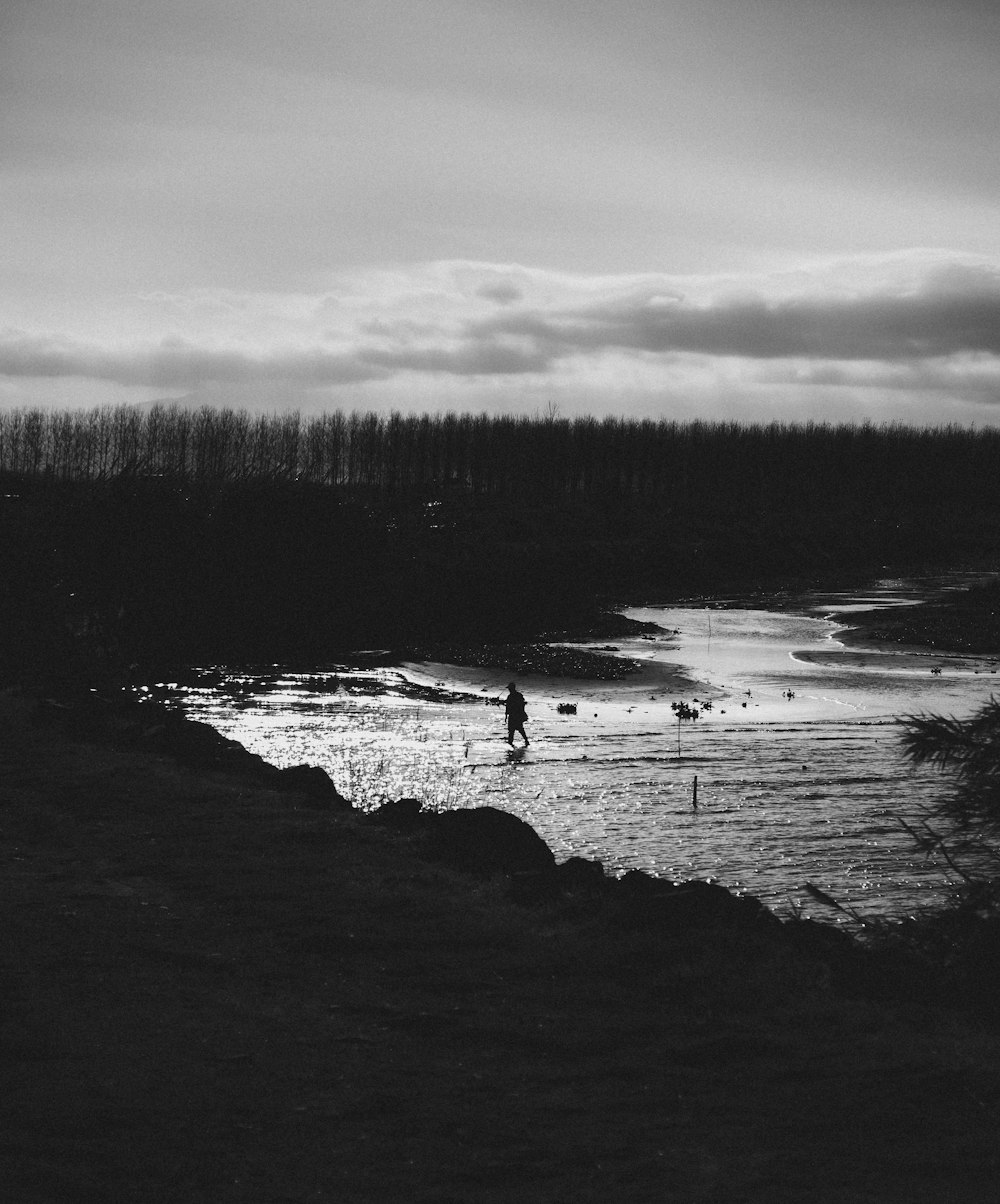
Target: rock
[(193, 742), (639, 884), (813, 939), (538, 886), (649, 901), (578, 874), (403, 814), (488, 841), (313, 782), (199, 746), (707, 903)]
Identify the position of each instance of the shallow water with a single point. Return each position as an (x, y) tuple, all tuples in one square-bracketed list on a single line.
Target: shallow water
[(799, 772)]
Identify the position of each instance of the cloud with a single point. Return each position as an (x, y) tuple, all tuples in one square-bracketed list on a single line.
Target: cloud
[(912, 329), (503, 293), (178, 365), (973, 378), (475, 358), (941, 319), (174, 364)]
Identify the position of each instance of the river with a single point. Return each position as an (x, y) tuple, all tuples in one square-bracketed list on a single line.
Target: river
[(796, 751)]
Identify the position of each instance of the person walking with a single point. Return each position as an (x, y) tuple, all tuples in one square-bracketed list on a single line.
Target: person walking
[(516, 713)]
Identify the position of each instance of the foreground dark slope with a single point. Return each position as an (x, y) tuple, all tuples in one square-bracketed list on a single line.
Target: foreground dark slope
[(214, 992)]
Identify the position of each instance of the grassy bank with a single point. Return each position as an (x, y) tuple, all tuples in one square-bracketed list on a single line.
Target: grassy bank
[(215, 992)]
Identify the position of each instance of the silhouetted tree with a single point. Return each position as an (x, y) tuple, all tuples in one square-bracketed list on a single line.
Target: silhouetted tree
[(970, 750)]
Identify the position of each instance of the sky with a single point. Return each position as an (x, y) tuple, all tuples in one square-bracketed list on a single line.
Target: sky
[(745, 210)]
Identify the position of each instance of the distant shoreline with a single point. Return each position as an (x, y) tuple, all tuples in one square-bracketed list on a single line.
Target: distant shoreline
[(938, 630), (964, 623)]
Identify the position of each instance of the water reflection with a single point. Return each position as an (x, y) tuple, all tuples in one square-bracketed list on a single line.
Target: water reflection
[(795, 746)]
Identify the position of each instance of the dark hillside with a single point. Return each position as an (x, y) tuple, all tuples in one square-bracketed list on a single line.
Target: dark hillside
[(216, 992)]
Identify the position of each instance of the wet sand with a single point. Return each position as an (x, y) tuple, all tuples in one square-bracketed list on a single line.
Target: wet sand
[(657, 677), (875, 656)]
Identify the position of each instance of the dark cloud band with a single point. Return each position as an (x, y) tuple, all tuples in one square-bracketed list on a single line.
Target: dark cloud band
[(874, 328), (953, 315)]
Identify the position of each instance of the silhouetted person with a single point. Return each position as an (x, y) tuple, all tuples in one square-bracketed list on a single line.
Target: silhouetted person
[(516, 714)]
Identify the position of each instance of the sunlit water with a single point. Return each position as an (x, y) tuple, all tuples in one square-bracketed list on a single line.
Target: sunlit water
[(800, 777)]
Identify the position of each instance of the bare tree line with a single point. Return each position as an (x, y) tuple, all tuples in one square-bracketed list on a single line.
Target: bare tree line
[(502, 455)]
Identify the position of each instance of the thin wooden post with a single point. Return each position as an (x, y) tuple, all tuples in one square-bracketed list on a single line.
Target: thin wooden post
[(694, 794)]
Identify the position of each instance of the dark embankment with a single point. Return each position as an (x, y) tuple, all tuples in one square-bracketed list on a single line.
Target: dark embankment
[(218, 990), (163, 536)]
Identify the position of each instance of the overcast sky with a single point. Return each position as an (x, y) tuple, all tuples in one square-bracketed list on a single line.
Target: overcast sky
[(737, 209)]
